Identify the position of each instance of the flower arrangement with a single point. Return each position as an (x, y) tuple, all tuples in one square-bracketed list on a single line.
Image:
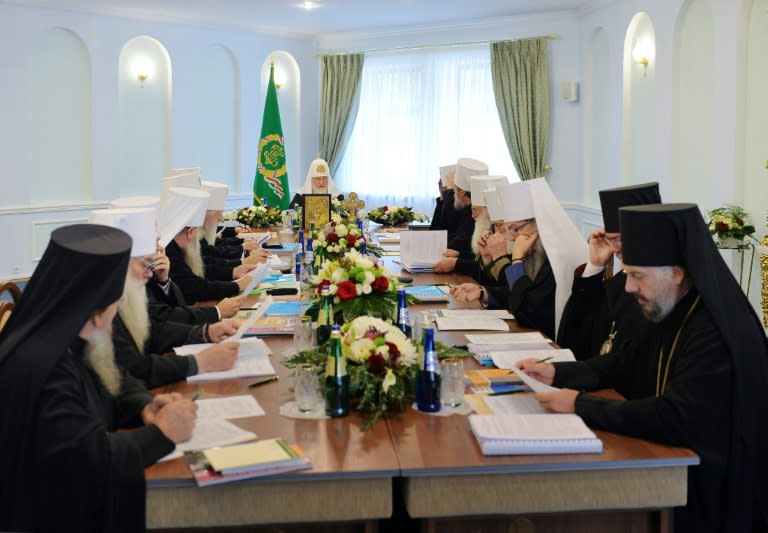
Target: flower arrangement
[(259, 216), (358, 286), (337, 238), (382, 365), (730, 221), (391, 215)]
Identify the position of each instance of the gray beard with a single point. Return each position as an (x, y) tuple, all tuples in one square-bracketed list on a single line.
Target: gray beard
[(209, 232), (482, 224), (458, 203), (535, 260), (193, 259), (100, 357), (134, 312)]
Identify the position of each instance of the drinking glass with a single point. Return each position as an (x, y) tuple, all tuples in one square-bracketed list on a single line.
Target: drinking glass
[(452, 382), (302, 333), (306, 387)]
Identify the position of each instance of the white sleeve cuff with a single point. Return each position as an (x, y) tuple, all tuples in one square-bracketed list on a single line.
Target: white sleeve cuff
[(590, 270)]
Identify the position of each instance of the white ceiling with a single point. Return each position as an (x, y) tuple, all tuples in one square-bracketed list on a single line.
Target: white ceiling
[(284, 16)]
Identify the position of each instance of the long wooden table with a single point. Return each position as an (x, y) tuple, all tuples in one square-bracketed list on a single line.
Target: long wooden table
[(444, 475)]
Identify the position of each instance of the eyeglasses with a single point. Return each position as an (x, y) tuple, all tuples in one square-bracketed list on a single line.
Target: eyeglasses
[(514, 229)]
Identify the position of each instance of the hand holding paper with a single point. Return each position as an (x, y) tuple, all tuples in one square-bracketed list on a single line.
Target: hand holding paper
[(255, 315)]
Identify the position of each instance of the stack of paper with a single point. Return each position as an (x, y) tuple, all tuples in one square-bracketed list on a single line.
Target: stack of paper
[(252, 360), (524, 434), (429, 293), (486, 324), (245, 461), (508, 358)]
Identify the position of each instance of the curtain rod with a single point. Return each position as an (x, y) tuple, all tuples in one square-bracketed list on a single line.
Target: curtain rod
[(550, 36)]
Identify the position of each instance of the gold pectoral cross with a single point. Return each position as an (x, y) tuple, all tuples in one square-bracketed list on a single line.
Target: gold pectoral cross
[(607, 346)]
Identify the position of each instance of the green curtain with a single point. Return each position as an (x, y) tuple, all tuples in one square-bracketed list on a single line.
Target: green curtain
[(520, 73), (339, 99)]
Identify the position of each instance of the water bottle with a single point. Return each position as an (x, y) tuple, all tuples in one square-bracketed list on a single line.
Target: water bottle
[(402, 321), (428, 382), (297, 265), (363, 246), (336, 378), (308, 263), (301, 239), (324, 316)]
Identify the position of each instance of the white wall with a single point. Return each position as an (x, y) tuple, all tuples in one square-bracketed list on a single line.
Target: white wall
[(103, 38)]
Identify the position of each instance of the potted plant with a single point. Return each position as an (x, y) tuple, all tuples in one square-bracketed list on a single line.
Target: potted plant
[(730, 224)]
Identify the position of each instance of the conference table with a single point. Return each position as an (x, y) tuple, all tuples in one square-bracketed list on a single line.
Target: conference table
[(429, 467)]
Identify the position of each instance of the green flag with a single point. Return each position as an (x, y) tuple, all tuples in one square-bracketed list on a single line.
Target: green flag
[(271, 181)]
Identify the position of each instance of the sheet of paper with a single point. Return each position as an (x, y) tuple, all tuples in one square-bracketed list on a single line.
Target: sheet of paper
[(533, 383), (255, 315), (210, 432), (476, 313), (518, 404), (245, 366), (507, 359), (229, 407), (258, 274), (248, 346), (450, 323), (504, 338), (421, 248)]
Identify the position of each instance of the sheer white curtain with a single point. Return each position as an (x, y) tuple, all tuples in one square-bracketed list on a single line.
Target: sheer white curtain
[(420, 110)]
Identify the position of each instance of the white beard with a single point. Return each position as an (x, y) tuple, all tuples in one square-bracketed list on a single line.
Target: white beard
[(482, 224), (458, 203), (209, 232), (100, 357), (134, 312), (319, 190), (193, 259)]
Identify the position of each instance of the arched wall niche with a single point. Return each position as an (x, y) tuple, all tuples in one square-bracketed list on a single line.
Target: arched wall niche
[(57, 166), (145, 116), (639, 97), (693, 128), (218, 104)]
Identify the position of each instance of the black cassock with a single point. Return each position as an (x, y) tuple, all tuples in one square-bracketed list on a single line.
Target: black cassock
[(172, 307), (89, 477), (458, 222), (531, 301), (695, 409), (153, 366), (598, 310), (195, 288)]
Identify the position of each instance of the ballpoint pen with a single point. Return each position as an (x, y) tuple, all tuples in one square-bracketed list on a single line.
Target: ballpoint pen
[(196, 396), (264, 381), (544, 360)]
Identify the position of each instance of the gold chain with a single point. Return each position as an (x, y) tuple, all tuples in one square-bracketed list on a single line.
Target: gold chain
[(661, 385)]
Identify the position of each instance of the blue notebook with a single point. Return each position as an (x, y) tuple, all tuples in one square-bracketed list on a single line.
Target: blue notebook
[(429, 293), (284, 309)]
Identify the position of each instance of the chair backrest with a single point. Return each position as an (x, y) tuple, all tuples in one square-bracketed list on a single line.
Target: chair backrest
[(12, 288), (5, 313)]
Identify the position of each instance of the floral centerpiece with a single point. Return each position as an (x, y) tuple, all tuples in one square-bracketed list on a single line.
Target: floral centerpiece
[(731, 224), (358, 286), (259, 216), (391, 215), (338, 213), (382, 365), (337, 238)]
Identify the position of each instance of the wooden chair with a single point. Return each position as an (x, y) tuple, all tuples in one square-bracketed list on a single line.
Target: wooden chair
[(12, 288), (5, 313)]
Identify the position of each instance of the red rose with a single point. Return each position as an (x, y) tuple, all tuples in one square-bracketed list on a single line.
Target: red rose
[(347, 290), (376, 362), (333, 224), (385, 208), (332, 237), (380, 284), (351, 240), (394, 353), (324, 283), (722, 227)]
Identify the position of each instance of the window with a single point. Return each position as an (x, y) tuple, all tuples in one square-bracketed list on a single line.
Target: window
[(420, 110)]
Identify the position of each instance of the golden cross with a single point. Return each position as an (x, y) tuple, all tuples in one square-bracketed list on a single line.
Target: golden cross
[(351, 204)]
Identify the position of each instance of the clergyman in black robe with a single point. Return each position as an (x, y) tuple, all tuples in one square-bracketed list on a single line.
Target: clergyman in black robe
[(694, 373), (600, 315), (62, 397)]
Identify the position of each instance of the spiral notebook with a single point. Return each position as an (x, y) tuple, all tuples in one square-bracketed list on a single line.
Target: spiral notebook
[(533, 434)]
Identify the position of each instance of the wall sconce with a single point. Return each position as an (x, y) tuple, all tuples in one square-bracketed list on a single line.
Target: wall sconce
[(644, 53), (142, 68), (280, 77)]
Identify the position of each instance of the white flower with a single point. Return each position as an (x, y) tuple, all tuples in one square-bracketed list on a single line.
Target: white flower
[(366, 289), (338, 275), (341, 230), (389, 380), (369, 277), (358, 289), (360, 350)]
